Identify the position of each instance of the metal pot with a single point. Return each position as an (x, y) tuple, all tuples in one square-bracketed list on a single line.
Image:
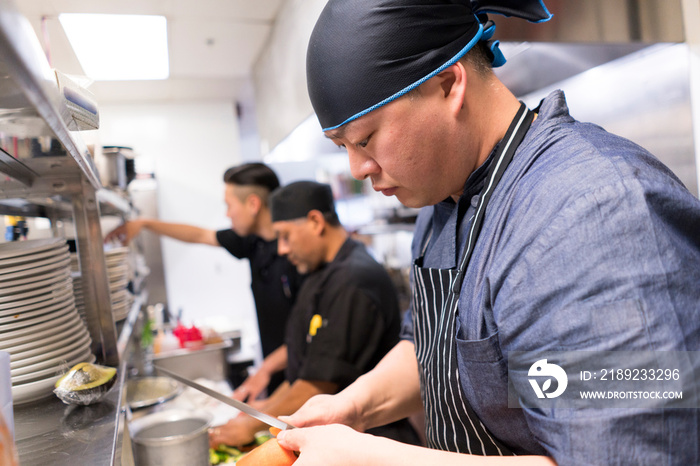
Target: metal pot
[(172, 437), (115, 170)]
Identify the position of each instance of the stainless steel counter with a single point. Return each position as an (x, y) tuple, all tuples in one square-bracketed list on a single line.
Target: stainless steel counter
[(49, 432)]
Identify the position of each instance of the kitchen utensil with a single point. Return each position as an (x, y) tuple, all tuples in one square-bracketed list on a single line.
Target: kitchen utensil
[(171, 438), (148, 391), (249, 410)]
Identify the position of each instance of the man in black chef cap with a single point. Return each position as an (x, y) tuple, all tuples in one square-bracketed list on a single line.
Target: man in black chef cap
[(346, 316), (538, 233)]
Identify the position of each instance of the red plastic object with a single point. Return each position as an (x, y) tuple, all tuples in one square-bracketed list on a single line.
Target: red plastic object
[(188, 337)]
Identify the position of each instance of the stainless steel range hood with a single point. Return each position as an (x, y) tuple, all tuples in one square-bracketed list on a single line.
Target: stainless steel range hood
[(581, 36), (622, 64), (600, 21)]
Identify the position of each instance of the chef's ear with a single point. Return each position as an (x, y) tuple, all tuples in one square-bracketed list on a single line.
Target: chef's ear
[(316, 221), (254, 202), (453, 82)]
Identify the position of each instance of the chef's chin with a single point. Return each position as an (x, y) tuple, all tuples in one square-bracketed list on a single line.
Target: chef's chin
[(301, 268)]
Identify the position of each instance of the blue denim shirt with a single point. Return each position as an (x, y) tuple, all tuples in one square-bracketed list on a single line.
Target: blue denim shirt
[(589, 243)]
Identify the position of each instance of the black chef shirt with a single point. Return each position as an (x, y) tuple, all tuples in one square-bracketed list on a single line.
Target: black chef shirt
[(345, 320), (275, 284)]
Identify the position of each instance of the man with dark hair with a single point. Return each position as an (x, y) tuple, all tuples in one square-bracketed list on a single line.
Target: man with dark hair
[(274, 281), (538, 234), (346, 317)]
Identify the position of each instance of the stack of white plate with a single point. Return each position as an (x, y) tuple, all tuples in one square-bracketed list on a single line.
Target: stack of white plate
[(39, 323), (119, 274)]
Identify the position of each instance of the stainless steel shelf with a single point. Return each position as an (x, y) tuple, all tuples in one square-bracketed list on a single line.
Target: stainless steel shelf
[(113, 203), (33, 108), (50, 173)]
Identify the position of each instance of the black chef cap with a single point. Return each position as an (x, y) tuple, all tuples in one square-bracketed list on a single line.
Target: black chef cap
[(298, 199), (364, 54)]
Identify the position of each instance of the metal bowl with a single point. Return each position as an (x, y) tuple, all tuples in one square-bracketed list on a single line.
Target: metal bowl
[(148, 391)]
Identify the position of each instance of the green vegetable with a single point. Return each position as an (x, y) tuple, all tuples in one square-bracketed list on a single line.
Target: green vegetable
[(262, 438), (224, 454), (147, 334)]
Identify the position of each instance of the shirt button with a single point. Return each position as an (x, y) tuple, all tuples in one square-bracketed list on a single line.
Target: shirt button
[(475, 201)]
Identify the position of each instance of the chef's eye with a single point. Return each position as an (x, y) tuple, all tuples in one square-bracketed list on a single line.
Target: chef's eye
[(364, 142)]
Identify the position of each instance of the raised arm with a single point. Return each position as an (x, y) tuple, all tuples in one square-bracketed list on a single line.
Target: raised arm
[(187, 233)]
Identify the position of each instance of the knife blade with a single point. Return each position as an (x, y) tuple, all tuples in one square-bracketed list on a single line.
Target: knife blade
[(249, 410)]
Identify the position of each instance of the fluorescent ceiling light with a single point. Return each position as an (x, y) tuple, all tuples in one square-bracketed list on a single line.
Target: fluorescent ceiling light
[(119, 47)]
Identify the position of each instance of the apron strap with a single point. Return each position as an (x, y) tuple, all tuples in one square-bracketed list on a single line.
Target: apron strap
[(509, 144)]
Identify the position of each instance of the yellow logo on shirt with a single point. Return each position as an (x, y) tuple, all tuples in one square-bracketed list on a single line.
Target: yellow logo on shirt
[(316, 322)]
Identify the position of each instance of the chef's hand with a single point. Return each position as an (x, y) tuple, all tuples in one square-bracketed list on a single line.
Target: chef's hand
[(329, 445), (252, 386), (235, 433), (326, 409), (125, 233)]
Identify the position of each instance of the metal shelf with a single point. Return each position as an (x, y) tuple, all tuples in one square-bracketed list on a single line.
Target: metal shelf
[(49, 170), (32, 105)]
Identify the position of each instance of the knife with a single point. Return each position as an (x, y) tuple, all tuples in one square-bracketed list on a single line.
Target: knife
[(249, 410)]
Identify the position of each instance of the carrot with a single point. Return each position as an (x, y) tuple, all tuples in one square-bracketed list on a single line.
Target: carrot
[(269, 453), (274, 431)]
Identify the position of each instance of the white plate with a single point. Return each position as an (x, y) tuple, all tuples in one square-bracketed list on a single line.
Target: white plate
[(31, 279), (31, 314), (119, 278), (120, 295), (69, 337), (34, 296), (51, 371), (35, 271), (116, 261), (120, 307), (49, 280), (33, 329), (35, 264), (21, 248), (36, 320), (33, 257), (13, 298), (42, 337), (121, 251), (118, 286), (59, 297), (38, 390), (27, 365), (117, 269), (121, 314)]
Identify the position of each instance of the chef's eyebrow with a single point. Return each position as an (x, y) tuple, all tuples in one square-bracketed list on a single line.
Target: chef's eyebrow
[(338, 133)]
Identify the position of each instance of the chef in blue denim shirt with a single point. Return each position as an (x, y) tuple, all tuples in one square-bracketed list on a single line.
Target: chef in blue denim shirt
[(538, 233)]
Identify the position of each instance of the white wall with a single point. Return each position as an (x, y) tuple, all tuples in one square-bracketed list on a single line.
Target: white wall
[(189, 146)]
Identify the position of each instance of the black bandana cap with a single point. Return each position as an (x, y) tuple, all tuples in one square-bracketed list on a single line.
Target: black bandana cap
[(364, 54), (298, 199)]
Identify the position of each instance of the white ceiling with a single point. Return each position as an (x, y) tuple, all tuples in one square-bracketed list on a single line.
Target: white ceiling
[(213, 44)]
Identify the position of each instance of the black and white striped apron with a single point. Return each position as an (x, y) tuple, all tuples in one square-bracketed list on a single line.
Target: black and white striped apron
[(450, 422)]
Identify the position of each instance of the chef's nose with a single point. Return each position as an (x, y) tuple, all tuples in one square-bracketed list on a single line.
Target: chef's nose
[(282, 247), (361, 165)]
